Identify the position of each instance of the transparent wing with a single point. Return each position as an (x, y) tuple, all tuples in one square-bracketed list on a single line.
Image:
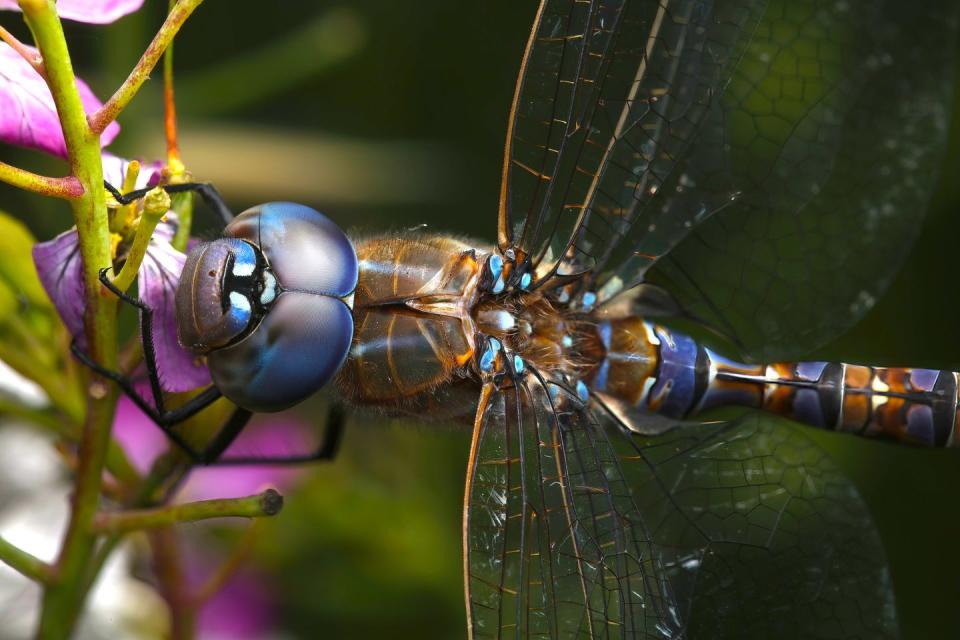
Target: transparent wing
[(790, 147), (762, 536), (828, 136), (556, 547), (576, 528), (610, 96)]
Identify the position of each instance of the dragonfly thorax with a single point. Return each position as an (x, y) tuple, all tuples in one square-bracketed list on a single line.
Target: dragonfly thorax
[(529, 327)]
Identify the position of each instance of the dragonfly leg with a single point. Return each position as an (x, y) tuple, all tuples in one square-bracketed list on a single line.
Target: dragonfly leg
[(326, 450), (206, 190), (164, 419)]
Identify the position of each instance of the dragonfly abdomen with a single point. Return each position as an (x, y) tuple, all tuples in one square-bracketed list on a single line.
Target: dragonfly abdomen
[(655, 370)]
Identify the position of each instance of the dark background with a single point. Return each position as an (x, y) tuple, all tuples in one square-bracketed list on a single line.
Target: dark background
[(389, 115)]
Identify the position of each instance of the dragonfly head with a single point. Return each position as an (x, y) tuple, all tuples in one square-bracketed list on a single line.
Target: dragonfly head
[(268, 305)]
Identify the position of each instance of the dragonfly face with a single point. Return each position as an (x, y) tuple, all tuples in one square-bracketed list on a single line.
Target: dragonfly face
[(266, 305)]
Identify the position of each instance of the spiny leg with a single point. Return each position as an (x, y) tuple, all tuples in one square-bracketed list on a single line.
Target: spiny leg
[(206, 190), (164, 419), (167, 419), (326, 450)]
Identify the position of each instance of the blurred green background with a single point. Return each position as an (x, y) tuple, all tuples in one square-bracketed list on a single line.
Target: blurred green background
[(388, 115)]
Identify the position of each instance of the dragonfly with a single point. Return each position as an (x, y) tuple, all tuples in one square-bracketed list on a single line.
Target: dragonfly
[(668, 164)]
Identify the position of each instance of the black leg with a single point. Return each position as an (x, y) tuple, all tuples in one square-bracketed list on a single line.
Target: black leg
[(157, 412), (146, 337), (166, 420), (206, 190), (327, 450)]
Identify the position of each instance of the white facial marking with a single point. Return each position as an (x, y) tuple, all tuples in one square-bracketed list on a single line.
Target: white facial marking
[(242, 269), (269, 288), (239, 301)]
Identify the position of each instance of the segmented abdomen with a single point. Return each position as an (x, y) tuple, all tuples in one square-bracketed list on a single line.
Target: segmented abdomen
[(653, 369)]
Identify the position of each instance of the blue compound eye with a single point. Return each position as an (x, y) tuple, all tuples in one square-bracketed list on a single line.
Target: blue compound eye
[(264, 304), (210, 314), (306, 250), (297, 348)]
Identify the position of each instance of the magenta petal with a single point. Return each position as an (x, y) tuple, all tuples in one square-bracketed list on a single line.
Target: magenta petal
[(140, 438), (179, 370), (60, 269), (92, 11), (267, 436), (242, 610), (28, 116)]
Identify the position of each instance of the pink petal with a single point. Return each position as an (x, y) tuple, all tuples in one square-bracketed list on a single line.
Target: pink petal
[(138, 435), (271, 436), (276, 435), (60, 269), (242, 610), (28, 116), (92, 11), (179, 369)]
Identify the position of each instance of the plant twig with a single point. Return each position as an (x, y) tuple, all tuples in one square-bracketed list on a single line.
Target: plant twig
[(155, 204), (32, 58), (122, 96), (24, 563), (165, 548), (268, 503), (63, 188), (170, 106)]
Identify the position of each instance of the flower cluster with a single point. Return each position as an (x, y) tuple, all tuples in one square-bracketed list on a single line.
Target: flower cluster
[(29, 118)]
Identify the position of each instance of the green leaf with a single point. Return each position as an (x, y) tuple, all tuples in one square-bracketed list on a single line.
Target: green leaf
[(17, 270)]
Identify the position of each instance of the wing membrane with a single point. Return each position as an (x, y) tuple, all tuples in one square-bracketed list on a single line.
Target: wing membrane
[(760, 533), (742, 529), (556, 546), (610, 96), (788, 148)]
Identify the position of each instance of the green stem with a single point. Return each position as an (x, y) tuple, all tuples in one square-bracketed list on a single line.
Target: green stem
[(183, 206), (64, 188), (172, 582), (263, 504), (122, 96), (24, 563), (63, 597), (155, 204), (48, 419), (165, 468)]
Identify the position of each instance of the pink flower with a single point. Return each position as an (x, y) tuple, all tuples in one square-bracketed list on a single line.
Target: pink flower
[(28, 116), (243, 608), (92, 11), (275, 435)]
